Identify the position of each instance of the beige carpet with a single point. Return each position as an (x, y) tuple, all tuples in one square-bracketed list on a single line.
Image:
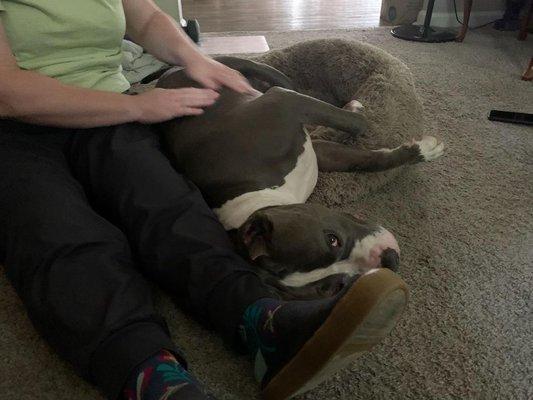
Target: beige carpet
[(465, 226)]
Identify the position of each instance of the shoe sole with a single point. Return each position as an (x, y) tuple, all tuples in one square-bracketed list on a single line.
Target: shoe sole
[(360, 320)]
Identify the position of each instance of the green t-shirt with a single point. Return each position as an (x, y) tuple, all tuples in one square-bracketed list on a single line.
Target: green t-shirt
[(76, 42)]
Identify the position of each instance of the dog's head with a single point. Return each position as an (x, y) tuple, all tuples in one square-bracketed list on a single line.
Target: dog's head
[(303, 244)]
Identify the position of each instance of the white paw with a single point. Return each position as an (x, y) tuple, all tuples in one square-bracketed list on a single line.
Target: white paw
[(430, 148), (354, 106)]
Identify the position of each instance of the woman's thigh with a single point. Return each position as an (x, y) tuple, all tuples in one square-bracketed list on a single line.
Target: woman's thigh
[(129, 180), (179, 242), (42, 206), (71, 267)]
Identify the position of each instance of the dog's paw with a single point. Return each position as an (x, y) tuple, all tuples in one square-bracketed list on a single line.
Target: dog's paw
[(429, 148), (354, 106)]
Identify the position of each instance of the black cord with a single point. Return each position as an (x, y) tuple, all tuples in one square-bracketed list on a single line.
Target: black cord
[(475, 27), (455, 8)]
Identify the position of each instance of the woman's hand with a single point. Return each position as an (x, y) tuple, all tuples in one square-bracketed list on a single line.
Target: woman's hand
[(158, 105), (213, 75)]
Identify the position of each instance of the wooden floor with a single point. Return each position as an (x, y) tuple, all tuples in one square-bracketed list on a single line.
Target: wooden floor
[(281, 15)]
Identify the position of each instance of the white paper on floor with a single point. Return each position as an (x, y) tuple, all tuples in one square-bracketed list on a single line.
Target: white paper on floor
[(233, 44)]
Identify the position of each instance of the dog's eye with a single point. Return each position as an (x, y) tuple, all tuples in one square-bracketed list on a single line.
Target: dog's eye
[(333, 240)]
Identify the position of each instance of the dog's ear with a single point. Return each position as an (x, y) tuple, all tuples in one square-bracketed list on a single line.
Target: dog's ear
[(309, 129), (257, 233), (257, 249)]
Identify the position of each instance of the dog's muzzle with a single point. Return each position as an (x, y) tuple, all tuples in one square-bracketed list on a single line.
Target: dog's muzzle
[(379, 249), (390, 259)]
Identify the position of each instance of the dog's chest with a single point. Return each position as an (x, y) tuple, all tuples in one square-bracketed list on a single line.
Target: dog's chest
[(297, 187)]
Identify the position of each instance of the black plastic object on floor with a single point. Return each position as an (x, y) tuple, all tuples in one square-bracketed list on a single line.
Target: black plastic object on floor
[(192, 29), (424, 33), (190, 26), (511, 117)]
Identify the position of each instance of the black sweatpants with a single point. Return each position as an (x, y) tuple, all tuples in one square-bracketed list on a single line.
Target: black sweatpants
[(85, 216)]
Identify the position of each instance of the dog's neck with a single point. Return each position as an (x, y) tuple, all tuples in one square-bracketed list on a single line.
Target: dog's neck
[(236, 211)]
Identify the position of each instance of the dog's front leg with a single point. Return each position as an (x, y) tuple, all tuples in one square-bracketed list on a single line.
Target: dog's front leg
[(336, 157)]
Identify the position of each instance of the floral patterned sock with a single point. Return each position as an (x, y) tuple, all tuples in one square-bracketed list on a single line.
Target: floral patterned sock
[(161, 377), (258, 333), (273, 331)]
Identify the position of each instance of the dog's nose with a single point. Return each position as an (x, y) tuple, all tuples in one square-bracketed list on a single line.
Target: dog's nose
[(390, 259)]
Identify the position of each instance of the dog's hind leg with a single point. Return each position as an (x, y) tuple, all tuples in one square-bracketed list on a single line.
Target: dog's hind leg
[(310, 111), (255, 70), (336, 157), (332, 134)]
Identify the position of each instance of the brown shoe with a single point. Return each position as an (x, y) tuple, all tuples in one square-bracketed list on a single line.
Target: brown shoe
[(359, 320)]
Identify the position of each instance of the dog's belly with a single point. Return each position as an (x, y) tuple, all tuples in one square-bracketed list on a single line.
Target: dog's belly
[(297, 187)]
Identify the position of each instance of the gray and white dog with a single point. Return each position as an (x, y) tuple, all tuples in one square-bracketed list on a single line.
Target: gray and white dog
[(256, 165)]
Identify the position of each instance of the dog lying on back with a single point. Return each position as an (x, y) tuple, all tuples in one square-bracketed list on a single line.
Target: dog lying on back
[(256, 165)]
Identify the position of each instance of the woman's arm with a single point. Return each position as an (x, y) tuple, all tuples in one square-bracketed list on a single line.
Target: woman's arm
[(161, 36), (35, 98), (158, 33)]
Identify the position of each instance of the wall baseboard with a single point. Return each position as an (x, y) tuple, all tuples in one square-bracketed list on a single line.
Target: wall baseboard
[(447, 19)]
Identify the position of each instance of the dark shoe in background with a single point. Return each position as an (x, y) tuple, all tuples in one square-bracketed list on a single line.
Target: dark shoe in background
[(511, 18)]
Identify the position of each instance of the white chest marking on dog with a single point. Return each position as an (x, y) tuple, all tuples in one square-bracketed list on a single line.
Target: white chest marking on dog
[(365, 255), (298, 186)]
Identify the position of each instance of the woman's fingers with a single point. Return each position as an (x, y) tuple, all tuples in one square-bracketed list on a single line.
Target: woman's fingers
[(158, 105), (210, 84), (191, 111), (236, 81), (212, 74), (195, 92), (199, 101), (193, 97)]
